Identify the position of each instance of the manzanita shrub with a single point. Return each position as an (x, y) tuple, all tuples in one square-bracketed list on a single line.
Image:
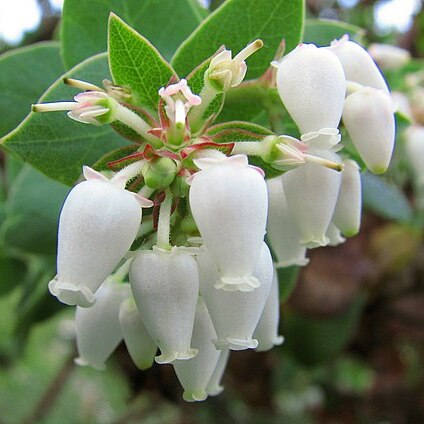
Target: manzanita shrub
[(200, 171)]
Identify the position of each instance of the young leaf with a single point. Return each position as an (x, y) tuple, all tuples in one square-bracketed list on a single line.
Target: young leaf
[(25, 74), (134, 62), (323, 31), (32, 212), (55, 144), (238, 22), (84, 24)]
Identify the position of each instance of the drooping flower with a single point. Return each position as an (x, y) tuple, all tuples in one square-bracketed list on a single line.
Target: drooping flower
[(266, 332), (98, 331), (165, 286), (194, 374), (347, 214), (389, 57), (312, 86), (214, 387), (311, 191), (236, 314), (371, 128), (358, 64), (228, 199), (414, 144), (98, 223), (283, 234), (140, 345)]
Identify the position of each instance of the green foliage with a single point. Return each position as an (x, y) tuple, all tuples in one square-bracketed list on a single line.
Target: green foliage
[(135, 63), (233, 25), (55, 144), (323, 31), (12, 273), (385, 199), (32, 211), (24, 75), (166, 23)]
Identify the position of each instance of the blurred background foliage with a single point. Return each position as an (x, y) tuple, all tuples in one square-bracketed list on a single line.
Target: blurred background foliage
[(353, 319)]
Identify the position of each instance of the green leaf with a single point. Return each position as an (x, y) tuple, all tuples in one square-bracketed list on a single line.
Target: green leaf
[(12, 273), (24, 75), (323, 31), (55, 144), (287, 279), (32, 212), (238, 22), (166, 23), (385, 199), (134, 62)]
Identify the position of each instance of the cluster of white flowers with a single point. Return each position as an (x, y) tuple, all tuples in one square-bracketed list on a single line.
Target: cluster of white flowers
[(201, 298)]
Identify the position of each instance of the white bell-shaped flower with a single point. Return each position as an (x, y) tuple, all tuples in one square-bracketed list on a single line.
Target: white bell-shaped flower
[(358, 64), (414, 145), (311, 191), (334, 235), (195, 373), (140, 345), (388, 56), (312, 86), (282, 232), (229, 202), (369, 119), (214, 387), (98, 331), (165, 286), (266, 332), (235, 314), (347, 214), (98, 223)]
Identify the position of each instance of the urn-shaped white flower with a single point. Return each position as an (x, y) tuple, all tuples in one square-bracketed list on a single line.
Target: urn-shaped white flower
[(140, 345), (311, 191), (347, 214), (229, 201), (358, 64), (388, 56), (165, 286), (283, 234), (214, 387), (369, 119), (98, 331), (195, 373), (98, 223), (312, 86), (414, 145), (235, 314), (266, 332)]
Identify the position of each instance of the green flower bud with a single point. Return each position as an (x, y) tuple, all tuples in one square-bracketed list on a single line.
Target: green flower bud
[(159, 173)]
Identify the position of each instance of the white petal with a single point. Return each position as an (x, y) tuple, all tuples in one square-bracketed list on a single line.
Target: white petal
[(97, 328), (140, 345), (312, 86), (214, 387), (347, 214), (266, 331), (283, 234), (334, 235), (369, 120), (235, 314), (229, 204), (311, 191), (97, 226), (194, 374), (165, 288)]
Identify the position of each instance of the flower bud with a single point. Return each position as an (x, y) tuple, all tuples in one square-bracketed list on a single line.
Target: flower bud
[(369, 120), (165, 286), (228, 199), (195, 373), (97, 328), (266, 331), (389, 57), (214, 387), (140, 345), (311, 191), (347, 214), (312, 86), (235, 314), (159, 173), (98, 223), (282, 232), (357, 64)]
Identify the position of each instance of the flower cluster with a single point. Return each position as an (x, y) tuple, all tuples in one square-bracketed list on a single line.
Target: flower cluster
[(192, 276)]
